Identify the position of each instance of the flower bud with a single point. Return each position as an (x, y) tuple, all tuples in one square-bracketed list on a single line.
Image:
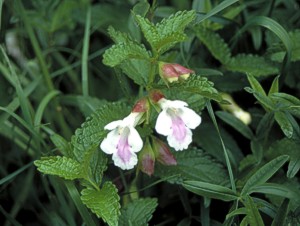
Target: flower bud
[(147, 159), (172, 72), (141, 106), (163, 153), (156, 95), (235, 109)]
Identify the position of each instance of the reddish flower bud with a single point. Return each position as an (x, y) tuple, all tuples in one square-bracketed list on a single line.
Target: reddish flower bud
[(141, 106), (156, 95), (163, 153), (172, 72), (147, 159)]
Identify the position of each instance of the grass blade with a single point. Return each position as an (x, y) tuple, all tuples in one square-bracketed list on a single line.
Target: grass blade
[(217, 9), (85, 51), (14, 174)]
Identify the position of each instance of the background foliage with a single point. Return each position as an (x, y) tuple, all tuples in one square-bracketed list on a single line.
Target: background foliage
[(67, 68)]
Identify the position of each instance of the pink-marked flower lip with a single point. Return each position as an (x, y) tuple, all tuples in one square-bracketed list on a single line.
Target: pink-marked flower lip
[(176, 121), (123, 141), (141, 106), (156, 95), (163, 153), (172, 71)]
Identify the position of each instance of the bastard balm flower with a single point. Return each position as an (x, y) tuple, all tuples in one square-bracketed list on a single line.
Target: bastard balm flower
[(176, 121), (171, 72), (123, 141)]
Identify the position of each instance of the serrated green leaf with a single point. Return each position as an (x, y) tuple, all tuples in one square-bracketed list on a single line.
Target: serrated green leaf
[(92, 130), (63, 146), (253, 216), (168, 32), (215, 44), (252, 64), (138, 212), (104, 202), (284, 123), (212, 191), (94, 164), (118, 36), (193, 164), (236, 124), (121, 52), (197, 85), (60, 166), (137, 70), (263, 174)]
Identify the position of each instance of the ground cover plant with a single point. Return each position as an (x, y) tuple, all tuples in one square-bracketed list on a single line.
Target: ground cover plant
[(149, 112)]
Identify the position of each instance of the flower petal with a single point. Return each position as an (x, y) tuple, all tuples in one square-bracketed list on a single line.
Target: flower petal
[(134, 140), (125, 165), (190, 118), (179, 145), (163, 123), (109, 144), (112, 125)]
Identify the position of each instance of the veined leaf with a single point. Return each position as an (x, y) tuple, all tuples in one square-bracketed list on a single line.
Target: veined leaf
[(255, 84), (280, 218), (275, 86), (104, 202), (120, 52), (252, 64), (92, 130), (60, 166), (253, 216), (138, 212), (212, 191), (118, 36), (63, 146), (168, 32), (198, 85), (215, 44), (193, 164), (264, 174), (287, 103)]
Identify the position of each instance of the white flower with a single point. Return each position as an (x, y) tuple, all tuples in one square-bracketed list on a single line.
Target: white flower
[(123, 141), (175, 121)]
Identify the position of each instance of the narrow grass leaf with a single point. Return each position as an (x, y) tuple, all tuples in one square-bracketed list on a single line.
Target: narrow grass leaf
[(212, 191), (87, 218), (85, 52), (41, 108), (215, 10), (14, 174), (264, 174), (280, 218)]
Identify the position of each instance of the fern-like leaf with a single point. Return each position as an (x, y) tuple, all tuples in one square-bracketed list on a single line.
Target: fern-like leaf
[(254, 65), (215, 44)]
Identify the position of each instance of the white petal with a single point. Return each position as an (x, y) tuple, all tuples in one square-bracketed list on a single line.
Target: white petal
[(164, 103), (134, 140), (112, 125), (163, 123), (125, 165), (190, 118), (180, 145), (109, 144)]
